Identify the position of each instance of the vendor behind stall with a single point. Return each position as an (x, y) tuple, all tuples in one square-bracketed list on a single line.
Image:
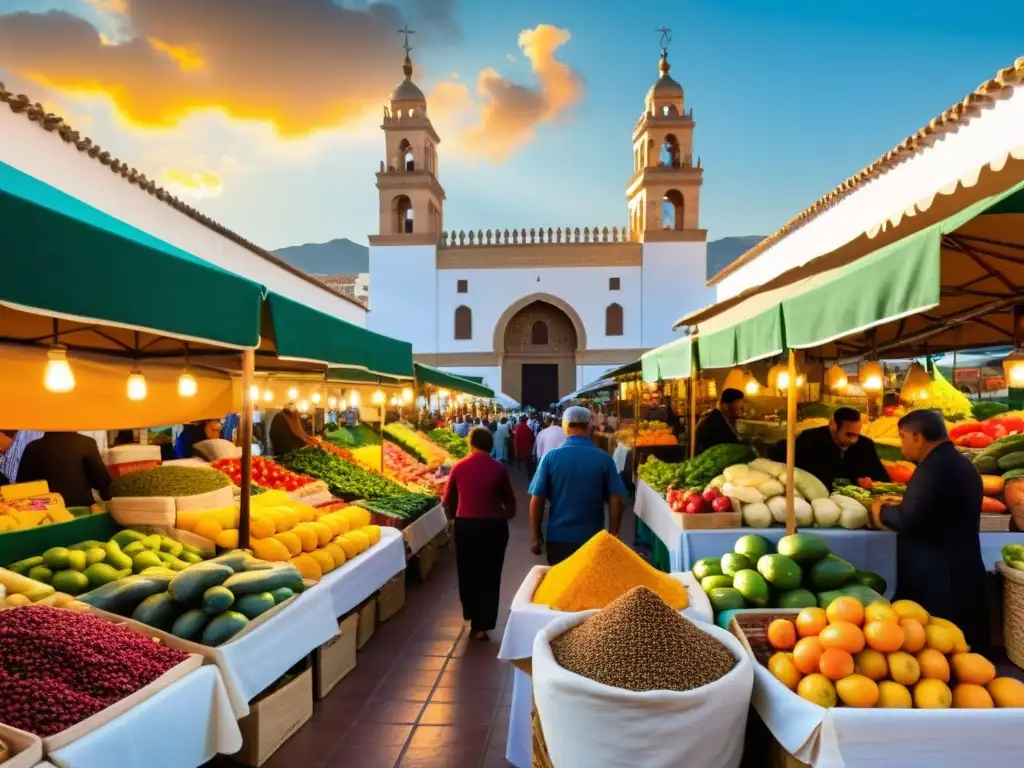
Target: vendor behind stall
[(71, 465), (286, 432), (939, 563), (837, 450), (719, 426), (193, 433)]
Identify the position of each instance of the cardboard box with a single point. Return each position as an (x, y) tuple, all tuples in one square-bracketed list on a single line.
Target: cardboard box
[(367, 622), (391, 598), (335, 658), (426, 559), (273, 719)]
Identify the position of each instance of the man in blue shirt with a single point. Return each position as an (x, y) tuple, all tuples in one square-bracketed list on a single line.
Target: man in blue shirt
[(577, 478)]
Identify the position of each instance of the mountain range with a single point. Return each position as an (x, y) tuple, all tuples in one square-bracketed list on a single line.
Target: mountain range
[(344, 257)]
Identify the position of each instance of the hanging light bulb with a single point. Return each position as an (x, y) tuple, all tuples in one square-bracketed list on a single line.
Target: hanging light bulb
[(137, 387), (353, 398), (1013, 369), (837, 379), (254, 393), (735, 380), (268, 396), (443, 394), (751, 386), (407, 394), (379, 398), (315, 398), (187, 385), (773, 376), (871, 375), (332, 402), (293, 393), (58, 376), (303, 406), (915, 384)]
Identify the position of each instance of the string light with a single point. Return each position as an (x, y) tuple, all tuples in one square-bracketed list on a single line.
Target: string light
[(353, 398), (58, 376), (315, 398), (137, 387), (268, 396), (379, 398), (293, 393), (407, 395), (187, 384)]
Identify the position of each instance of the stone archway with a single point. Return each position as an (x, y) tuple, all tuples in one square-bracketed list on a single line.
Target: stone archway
[(538, 340)]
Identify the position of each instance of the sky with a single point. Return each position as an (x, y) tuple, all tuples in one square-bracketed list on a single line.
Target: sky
[(264, 114)]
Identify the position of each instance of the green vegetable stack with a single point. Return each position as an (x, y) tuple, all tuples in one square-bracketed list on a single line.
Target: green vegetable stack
[(406, 508), (801, 573), (1013, 556), (169, 481), (1004, 455), (696, 473), (455, 445), (208, 603), (92, 564), (661, 474), (344, 479)]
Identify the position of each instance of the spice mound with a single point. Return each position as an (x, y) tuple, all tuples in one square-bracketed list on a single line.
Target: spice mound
[(639, 643), (600, 571), (169, 481), (58, 667)]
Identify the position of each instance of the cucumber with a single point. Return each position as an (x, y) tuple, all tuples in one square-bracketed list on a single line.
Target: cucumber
[(87, 545), (123, 596), (22, 567), (158, 611), (217, 599), (1013, 474), (190, 625), (132, 548), (255, 604), (870, 579), (116, 556), (986, 465), (172, 562), (171, 547), (1010, 461), (189, 585), (281, 594), (250, 582), (235, 560), (223, 627)]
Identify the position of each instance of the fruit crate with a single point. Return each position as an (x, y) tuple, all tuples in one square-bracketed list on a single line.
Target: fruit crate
[(994, 523), (17, 545), (751, 629), (707, 521)]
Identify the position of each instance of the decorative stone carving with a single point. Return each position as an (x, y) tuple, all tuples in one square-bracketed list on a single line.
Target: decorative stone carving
[(519, 331)]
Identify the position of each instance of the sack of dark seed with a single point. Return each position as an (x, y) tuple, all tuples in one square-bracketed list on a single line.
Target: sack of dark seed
[(637, 683)]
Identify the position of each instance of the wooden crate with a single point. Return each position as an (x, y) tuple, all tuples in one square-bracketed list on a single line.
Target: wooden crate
[(706, 521), (391, 598), (274, 719), (367, 622), (335, 658), (994, 523)]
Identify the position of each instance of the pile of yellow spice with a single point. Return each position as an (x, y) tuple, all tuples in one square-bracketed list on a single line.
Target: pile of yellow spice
[(599, 573)]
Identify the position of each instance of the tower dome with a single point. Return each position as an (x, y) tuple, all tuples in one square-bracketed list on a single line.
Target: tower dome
[(407, 90), (666, 86)]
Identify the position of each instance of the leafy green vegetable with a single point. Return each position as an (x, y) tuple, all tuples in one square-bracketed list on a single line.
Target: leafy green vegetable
[(661, 474), (343, 478), (408, 507), (705, 467), (455, 445), (407, 440), (169, 481)]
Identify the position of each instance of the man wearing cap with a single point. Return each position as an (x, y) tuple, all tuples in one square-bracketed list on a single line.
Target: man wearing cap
[(576, 479)]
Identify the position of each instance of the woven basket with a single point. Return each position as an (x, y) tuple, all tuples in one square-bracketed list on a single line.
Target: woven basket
[(1013, 612), (541, 758)]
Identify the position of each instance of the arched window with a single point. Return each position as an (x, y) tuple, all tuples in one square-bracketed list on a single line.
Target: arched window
[(672, 210), (401, 208), (669, 110), (408, 159), (539, 334), (613, 320), (670, 155), (463, 323)]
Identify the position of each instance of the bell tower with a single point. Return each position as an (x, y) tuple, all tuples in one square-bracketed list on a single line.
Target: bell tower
[(411, 198), (663, 193)]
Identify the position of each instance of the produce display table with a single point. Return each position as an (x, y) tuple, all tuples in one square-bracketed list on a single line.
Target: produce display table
[(992, 545), (651, 508), (182, 726), (355, 581), (525, 621), (424, 529)]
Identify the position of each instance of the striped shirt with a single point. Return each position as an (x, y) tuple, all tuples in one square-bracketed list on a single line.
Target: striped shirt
[(10, 460)]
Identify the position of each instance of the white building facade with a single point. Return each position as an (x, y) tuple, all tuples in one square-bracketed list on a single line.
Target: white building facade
[(538, 312)]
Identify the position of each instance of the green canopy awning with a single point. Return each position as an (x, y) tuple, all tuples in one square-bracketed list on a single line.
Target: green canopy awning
[(628, 369), (66, 259), (303, 333), (669, 361), (426, 374), (358, 376), (474, 379)]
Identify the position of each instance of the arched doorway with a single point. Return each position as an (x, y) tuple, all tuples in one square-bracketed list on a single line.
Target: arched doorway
[(539, 342)]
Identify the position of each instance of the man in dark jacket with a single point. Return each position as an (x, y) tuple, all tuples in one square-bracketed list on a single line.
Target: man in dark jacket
[(719, 426), (71, 465), (939, 562)]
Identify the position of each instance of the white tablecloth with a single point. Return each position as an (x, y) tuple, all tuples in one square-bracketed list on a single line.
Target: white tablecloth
[(356, 580), (992, 545), (183, 726), (619, 456), (526, 619), (651, 507), (419, 532)]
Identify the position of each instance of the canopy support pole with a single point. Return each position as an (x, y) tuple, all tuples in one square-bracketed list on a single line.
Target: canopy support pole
[(245, 436), (791, 397), (383, 413), (636, 423), (693, 411)]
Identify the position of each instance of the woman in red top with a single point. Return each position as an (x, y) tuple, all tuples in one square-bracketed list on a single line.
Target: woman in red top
[(480, 498), (522, 439)]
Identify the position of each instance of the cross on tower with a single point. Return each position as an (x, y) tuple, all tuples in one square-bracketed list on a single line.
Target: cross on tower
[(406, 32), (666, 37)]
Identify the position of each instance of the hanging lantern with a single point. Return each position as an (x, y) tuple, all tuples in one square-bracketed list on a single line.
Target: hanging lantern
[(137, 387), (871, 376), (751, 386), (916, 384), (293, 393), (353, 398), (379, 398), (254, 392), (773, 375), (58, 376), (735, 380), (407, 394), (268, 396), (836, 378), (1013, 369), (332, 402), (188, 386), (303, 406), (315, 398)]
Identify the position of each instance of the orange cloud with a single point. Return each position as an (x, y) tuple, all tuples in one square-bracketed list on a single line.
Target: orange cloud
[(199, 183), (302, 65), (504, 115)]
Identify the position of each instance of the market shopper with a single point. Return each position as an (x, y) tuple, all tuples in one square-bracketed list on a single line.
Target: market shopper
[(71, 465), (12, 447), (837, 450), (550, 437), (479, 497), (196, 432), (502, 435), (939, 563), (461, 427), (522, 442), (719, 426), (577, 479)]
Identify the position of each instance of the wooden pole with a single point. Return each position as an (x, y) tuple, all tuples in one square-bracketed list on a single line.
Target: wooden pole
[(383, 413), (693, 412), (791, 398), (636, 423), (245, 437)]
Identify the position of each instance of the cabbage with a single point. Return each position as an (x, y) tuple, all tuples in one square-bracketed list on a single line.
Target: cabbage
[(757, 515), (826, 512)]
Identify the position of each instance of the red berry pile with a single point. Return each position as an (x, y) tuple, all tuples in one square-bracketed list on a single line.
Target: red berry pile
[(59, 667)]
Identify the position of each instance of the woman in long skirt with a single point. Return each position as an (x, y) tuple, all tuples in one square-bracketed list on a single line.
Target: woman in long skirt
[(480, 499)]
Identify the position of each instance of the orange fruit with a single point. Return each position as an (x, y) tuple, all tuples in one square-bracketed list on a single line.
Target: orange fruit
[(782, 634), (845, 609), (817, 689), (857, 691), (903, 668), (806, 654), (913, 635), (908, 609), (970, 696), (871, 664), (932, 694), (894, 696), (842, 634), (835, 663), (782, 666), (883, 635), (939, 637), (1006, 692), (934, 665), (972, 668), (880, 610), (810, 622)]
